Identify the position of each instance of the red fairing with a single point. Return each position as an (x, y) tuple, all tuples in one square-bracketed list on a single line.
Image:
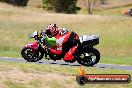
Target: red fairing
[(33, 45)]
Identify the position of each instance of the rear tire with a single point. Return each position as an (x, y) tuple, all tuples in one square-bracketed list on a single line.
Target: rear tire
[(30, 56), (86, 58)]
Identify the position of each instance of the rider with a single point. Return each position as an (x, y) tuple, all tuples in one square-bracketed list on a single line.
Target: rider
[(67, 42)]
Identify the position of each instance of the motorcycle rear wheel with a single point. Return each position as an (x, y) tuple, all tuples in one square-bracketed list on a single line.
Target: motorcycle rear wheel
[(30, 56), (89, 58)]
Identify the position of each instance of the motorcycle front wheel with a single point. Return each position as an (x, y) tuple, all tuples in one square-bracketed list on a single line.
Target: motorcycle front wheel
[(89, 58), (31, 56)]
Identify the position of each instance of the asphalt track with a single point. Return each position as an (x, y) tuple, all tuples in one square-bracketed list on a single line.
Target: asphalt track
[(109, 66)]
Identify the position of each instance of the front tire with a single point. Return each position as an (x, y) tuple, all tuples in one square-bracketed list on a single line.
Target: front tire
[(30, 56), (89, 57)]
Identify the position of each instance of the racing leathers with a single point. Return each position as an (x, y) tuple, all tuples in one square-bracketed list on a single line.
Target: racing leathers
[(67, 44)]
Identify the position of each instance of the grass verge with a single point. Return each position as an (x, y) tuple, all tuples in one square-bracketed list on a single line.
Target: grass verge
[(23, 75)]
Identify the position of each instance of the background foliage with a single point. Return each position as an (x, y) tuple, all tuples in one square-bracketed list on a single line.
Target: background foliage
[(16, 2), (63, 6)]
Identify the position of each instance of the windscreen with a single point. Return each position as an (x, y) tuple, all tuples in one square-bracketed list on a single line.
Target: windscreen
[(32, 35)]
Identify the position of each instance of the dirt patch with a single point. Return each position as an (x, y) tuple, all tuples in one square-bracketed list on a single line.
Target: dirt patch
[(47, 79), (2, 85)]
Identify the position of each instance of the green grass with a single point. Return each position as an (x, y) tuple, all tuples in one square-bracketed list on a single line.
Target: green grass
[(117, 11), (10, 53), (37, 83), (11, 84), (115, 60), (112, 8), (60, 76)]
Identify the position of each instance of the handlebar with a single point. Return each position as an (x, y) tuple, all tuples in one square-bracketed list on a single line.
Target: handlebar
[(40, 37)]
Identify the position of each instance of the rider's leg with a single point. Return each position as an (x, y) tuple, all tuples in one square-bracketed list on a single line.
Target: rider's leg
[(69, 56)]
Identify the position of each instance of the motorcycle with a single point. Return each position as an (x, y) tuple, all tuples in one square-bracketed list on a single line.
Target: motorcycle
[(128, 13), (87, 54)]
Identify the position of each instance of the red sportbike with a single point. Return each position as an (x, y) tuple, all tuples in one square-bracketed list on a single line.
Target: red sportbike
[(127, 13), (87, 54)]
